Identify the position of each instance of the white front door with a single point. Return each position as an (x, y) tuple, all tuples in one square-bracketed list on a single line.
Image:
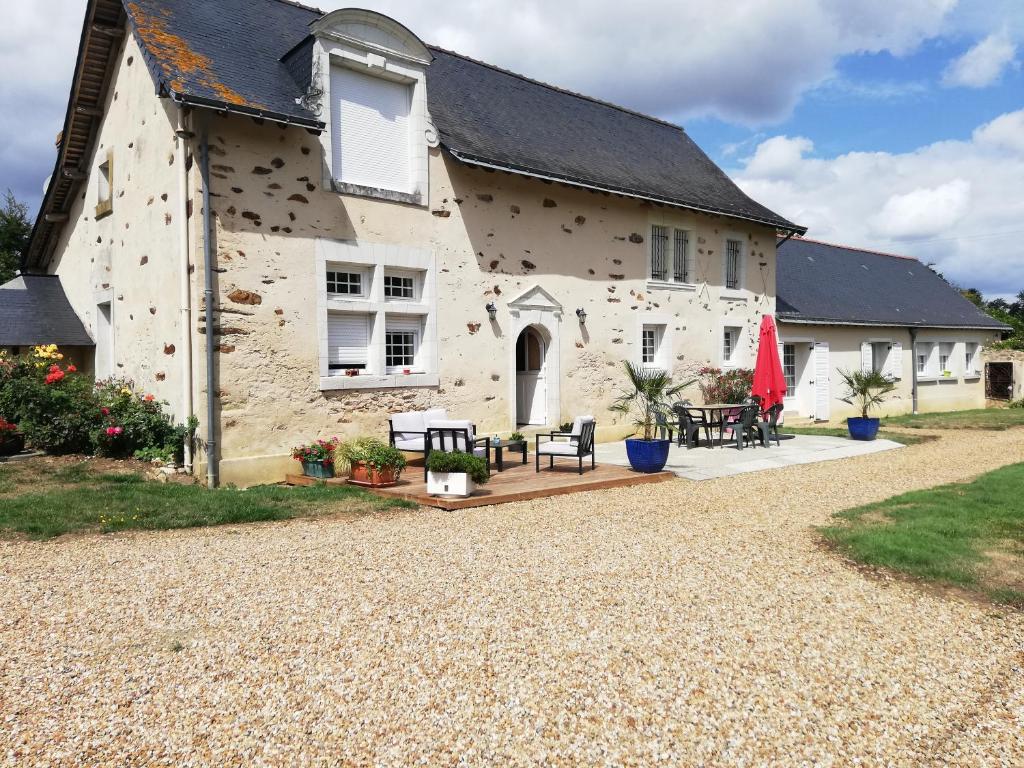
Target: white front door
[(531, 386)]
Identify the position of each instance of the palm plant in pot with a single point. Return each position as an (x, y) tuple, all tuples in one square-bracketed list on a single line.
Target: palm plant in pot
[(646, 400), (865, 390)]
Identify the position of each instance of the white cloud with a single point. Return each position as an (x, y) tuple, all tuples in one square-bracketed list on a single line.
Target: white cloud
[(982, 64), (955, 203)]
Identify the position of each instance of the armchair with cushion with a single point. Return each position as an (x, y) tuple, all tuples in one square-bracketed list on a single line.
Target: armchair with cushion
[(575, 444), (408, 431)]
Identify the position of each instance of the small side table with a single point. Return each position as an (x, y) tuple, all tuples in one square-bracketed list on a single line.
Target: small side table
[(515, 446)]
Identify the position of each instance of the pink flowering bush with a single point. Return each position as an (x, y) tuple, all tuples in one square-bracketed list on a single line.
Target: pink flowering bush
[(718, 386)]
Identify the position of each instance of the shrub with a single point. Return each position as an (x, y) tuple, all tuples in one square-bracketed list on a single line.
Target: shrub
[(1017, 403), (320, 450), (134, 423), (718, 386), (57, 414), (456, 461), (372, 453)]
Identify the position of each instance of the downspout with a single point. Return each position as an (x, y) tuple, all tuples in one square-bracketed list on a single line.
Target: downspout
[(185, 280), (913, 369), (211, 392)]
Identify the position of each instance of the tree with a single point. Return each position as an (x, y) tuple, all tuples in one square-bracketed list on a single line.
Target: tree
[(15, 229)]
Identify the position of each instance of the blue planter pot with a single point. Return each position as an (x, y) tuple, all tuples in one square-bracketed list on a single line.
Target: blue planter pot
[(862, 429), (647, 455), (318, 470)]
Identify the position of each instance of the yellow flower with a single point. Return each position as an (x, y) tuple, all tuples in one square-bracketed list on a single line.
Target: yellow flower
[(125, 391)]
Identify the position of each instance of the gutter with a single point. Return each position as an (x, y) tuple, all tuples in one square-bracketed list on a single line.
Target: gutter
[(184, 278), (523, 171), (211, 391), (883, 324), (237, 109), (913, 370)]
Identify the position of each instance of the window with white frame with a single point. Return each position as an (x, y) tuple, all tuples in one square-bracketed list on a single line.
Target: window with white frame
[(402, 343), (730, 345), (371, 129), (880, 356), (789, 367), (346, 282), (971, 359), (399, 286), (652, 338), (923, 353), (945, 355), (348, 341), (733, 263), (659, 252)]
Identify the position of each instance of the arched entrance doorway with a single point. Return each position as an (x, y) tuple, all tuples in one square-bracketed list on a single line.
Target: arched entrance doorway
[(531, 380)]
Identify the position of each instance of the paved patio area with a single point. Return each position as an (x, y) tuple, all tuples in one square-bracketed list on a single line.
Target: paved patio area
[(709, 463)]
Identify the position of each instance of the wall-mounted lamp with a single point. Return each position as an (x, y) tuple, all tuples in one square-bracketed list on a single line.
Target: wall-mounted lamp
[(889, 347), (810, 348), (581, 313), (492, 310)]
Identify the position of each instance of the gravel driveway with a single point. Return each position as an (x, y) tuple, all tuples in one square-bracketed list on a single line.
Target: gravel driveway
[(680, 624)]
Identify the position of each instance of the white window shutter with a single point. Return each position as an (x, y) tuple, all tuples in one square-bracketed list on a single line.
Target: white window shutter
[(370, 131), (348, 338), (865, 357), (413, 323), (895, 363), (821, 381)]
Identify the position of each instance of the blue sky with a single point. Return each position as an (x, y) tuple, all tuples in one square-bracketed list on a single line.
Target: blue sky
[(894, 125)]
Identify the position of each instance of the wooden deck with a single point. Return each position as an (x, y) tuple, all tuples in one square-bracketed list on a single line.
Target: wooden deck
[(517, 483)]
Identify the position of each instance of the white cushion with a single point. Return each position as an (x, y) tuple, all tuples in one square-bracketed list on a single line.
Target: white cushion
[(557, 449), (410, 445), (577, 428), (444, 441), (481, 451), (434, 414), (411, 423)]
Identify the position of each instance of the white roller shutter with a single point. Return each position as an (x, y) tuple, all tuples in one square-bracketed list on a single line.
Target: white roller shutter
[(412, 323), (370, 132), (866, 363), (895, 362), (348, 337), (821, 381)]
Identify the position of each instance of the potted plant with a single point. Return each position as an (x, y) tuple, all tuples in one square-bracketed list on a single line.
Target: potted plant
[(317, 458), (865, 390), (647, 398), (373, 463), (452, 473), (11, 440)]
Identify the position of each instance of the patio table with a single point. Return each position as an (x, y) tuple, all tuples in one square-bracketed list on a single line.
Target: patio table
[(513, 446), (714, 414)]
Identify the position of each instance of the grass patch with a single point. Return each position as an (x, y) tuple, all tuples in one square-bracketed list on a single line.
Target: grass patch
[(969, 535), (996, 419), (896, 437), (77, 498)]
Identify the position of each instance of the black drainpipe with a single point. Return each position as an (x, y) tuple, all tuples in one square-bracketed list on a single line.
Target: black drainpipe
[(211, 391), (913, 368)]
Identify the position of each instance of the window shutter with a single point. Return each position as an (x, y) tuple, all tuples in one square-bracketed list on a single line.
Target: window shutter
[(370, 132), (348, 336), (865, 357), (411, 323), (821, 381), (895, 366)]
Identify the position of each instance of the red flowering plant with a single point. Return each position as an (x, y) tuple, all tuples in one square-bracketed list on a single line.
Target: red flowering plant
[(7, 427), (134, 423), (731, 386), (320, 450)]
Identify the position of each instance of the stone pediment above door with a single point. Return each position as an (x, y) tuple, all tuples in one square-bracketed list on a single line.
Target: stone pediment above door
[(536, 298)]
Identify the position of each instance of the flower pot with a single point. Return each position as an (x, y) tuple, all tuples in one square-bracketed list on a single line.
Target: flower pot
[(449, 484), (318, 469), (362, 474), (862, 429), (647, 455), (11, 443)]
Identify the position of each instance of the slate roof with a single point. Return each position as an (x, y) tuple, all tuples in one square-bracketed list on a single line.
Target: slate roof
[(235, 52), (834, 284), (35, 310)]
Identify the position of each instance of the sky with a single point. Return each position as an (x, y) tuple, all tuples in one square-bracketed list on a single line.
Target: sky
[(896, 125)]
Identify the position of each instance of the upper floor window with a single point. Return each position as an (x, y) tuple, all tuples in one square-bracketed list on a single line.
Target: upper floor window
[(371, 130), (659, 252), (733, 264), (671, 260), (345, 283), (399, 286)]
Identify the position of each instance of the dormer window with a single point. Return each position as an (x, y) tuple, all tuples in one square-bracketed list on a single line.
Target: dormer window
[(372, 74)]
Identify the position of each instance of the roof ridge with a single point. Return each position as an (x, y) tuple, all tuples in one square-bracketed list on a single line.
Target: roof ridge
[(556, 88), (858, 250), (303, 6)]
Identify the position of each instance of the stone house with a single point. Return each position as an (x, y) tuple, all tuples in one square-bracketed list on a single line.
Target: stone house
[(842, 308), (296, 237)]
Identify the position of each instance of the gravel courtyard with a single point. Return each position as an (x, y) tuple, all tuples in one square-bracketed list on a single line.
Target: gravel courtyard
[(678, 624)]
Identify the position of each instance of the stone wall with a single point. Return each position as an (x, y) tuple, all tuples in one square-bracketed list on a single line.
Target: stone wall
[(1016, 357)]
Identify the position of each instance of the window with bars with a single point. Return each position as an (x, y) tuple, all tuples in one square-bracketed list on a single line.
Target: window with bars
[(659, 252), (345, 283), (732, 264), (680, 257), (789, 366), (399, 349), (399, 287)]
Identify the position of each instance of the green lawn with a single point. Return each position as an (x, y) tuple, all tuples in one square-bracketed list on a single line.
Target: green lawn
[(982, 418), (76, 498), (969, 535), (897, 437)]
